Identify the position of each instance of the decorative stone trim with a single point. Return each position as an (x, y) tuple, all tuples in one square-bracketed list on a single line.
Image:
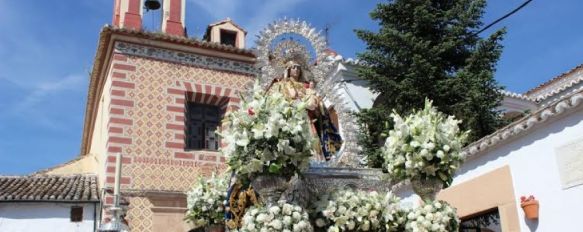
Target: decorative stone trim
[(524, 125), (119, 122), (208, 62)]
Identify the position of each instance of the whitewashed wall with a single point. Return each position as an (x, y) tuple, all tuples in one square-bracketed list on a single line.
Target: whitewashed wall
[(49, 217), (533, 164), (534, 168), (353, 89)]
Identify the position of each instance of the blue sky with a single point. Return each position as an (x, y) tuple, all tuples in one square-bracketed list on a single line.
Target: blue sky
[(46, 53)]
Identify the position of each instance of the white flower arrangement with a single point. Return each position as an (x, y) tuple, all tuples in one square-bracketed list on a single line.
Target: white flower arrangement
[(425, 144), (280, 217), (394, 216), (268, 134), (205, 201), (437, 216), (350, 210)]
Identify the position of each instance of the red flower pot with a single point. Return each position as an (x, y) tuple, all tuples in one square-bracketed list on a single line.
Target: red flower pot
[(530, 208)]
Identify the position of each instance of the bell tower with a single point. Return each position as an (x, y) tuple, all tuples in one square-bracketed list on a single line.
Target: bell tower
[(128, 14), (173, 17)]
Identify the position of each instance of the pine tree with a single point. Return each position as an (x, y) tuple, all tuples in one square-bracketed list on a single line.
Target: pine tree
[(430, 49)]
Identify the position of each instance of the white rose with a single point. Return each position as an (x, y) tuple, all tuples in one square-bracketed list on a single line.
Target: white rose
[(414, 143), (427, 208), (303, 225), (250, 226), (435, 227), (341, 210), (440, 154), (351, 224), (287, 220), (261, 217), (411, 216), (429, 216), (287, 209), (276, 224), (365, 226), (297, 208), (274, 209), (446, 148), (427, 223), (430, 146), (296, 216), (334, 229)]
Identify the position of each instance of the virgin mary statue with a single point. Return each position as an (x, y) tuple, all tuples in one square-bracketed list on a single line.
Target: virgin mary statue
[(295, 87)]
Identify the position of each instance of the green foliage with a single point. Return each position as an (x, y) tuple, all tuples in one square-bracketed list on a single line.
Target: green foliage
[(429, 49), (375, 124)]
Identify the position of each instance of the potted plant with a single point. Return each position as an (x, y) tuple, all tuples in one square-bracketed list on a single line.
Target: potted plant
[(530, 207)]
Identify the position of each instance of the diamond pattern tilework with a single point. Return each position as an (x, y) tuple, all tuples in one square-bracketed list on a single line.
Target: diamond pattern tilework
[(139, 214), (154, 166)]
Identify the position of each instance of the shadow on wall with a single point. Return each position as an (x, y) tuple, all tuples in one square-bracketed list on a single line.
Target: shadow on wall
[(532, 224)]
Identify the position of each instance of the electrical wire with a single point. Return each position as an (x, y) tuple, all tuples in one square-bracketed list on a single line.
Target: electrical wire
[(503, 17)]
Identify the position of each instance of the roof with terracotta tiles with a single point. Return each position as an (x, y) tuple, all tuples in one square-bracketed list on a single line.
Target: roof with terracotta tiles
[(554, 80), (178, 40), (227, 20), (49, 188)]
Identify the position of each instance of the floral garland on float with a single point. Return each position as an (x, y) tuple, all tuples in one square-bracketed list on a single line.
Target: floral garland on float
[(268, 143), (424, 147), (279, 217), (437, 216), (357, 210), (205, 201)]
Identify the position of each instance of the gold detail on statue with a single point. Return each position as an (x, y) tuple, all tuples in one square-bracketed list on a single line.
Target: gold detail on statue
[(239, 201)]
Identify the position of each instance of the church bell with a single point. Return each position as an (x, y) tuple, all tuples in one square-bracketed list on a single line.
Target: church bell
[(152, 4)]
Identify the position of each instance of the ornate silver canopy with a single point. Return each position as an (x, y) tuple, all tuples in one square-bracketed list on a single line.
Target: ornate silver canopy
[(289, 39)]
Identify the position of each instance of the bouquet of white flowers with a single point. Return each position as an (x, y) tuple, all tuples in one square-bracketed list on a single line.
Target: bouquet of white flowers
[(437, 216), (268, 134), (350, 210), (425, 144), (394, 216), (205, 201), (279, 217)]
